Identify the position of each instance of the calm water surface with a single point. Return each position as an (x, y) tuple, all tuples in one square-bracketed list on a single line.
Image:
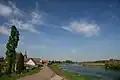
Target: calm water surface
[(93, 72)]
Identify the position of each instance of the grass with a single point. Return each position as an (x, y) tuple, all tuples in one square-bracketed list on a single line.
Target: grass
[(69, 75), (113, 65), (17, 76)]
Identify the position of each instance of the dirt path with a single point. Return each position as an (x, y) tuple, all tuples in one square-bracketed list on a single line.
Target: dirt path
[(45, 74), (56, 77)]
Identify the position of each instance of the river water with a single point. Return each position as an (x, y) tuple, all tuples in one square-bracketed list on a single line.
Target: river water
[(93, 72)]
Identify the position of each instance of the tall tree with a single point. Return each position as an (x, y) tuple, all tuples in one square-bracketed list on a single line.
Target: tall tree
[(11, 52)]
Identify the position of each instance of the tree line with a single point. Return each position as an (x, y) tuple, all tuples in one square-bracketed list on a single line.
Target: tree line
[(66, 61)]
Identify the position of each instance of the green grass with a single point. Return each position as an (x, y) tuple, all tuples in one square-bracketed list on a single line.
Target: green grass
[(70, 75), (16, 76)]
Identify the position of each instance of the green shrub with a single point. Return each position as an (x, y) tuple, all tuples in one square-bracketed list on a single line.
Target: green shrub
[(112, 64), (16, 76)]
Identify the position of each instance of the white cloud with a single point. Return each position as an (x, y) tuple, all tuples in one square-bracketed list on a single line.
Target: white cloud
[(10, 10), (4, 30), (21, 40), (5, 10), (23, 25), (36, 19), (83, 27), (20, 43), (67, 28), (16, 11), (28, 21)]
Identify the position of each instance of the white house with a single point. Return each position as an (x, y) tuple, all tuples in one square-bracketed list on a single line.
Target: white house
[(31, 62)]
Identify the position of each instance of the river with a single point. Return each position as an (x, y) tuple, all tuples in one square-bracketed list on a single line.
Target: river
[(93, 72)]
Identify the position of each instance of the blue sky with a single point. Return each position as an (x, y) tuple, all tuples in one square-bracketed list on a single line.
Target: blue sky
[(79, 30)]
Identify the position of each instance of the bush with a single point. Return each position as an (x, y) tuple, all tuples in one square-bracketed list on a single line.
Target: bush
[(25, 71), (112, 65), (17, 76)]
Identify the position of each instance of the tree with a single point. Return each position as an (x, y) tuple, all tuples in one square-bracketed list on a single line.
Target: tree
[(11, 52), (69, 61), (20, 62), (0, 68)]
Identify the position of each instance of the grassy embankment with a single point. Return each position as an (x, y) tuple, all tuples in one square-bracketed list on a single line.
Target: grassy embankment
[(69, 75), (17, 76)]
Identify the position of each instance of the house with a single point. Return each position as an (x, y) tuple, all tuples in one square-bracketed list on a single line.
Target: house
[(31, 62), (45, 61)]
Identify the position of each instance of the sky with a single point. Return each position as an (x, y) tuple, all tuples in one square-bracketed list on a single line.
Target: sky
[(79, 30)]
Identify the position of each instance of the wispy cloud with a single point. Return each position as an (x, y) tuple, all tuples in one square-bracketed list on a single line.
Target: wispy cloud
[(16, 11), (5, 10), (10, 10), (23, 25), (30, 21), (21, 19), (83, 27), (21, 40), (4, 30)]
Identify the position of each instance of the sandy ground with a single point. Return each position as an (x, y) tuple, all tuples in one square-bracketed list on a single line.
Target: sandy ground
[(45, 74), (56, 77)]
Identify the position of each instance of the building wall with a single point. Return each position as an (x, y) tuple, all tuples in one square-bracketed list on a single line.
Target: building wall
[(30, 62), (40, 61)]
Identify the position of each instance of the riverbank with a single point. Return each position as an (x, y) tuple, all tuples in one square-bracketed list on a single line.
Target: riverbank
[(16, 76), (69, 75), (113, 65)]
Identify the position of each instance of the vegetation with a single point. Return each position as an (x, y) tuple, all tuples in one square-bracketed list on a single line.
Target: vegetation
[(67, 61), (1, 67), (69, 75), (11, 52), (112, 65), (16, 76)]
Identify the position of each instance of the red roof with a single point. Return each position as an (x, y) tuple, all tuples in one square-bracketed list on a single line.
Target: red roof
[(45, 61)]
